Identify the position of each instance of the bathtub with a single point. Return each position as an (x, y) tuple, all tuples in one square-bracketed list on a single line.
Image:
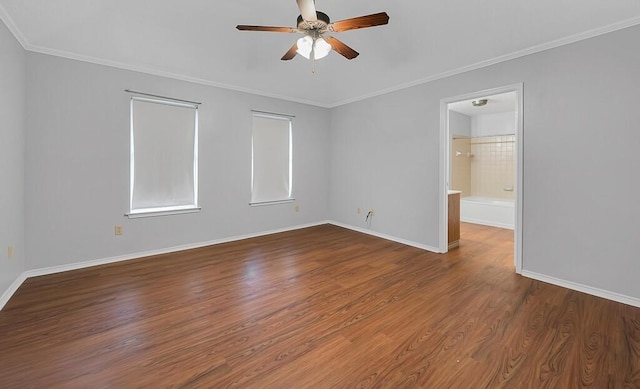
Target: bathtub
[(488, 211)]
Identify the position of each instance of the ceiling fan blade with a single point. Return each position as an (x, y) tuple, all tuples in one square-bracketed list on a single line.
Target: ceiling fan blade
[(308, 10), (243, 27), (341, 48), (291, 53), (378, 19)]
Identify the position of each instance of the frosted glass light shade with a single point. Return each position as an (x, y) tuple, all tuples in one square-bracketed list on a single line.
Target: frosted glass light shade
[(321, 48), (304, 46)]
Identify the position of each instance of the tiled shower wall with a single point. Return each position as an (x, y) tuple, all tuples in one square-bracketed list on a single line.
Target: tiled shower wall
[(461, 165), (492, 166)]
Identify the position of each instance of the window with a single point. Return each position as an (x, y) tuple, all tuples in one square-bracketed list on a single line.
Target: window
[(164, 157), (271, 159)]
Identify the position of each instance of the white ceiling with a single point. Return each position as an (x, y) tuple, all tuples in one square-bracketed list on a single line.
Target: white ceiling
[(197, 40), (503, 102)]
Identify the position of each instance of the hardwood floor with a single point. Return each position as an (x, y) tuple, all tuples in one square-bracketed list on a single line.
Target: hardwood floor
[(322, 307)]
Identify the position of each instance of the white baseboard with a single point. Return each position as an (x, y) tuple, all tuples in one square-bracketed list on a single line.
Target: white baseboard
[(11, 290), (103, 261), (486, 223), (387, 237), (80, 265), (583, 288)]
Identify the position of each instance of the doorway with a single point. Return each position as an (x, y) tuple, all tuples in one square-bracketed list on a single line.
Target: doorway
[(481, 139)]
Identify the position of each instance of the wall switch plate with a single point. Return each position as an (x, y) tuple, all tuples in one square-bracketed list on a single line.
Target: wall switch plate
[(118, 230), (10, 252), (297, 208), (358, 211)]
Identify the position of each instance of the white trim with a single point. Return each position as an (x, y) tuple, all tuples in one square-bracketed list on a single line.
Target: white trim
[(621, 298), (75, 266), (272, 202), (11, 25), (445, 168), (277, 117), (385, 236), (176, 211), (478, 65), (162, 210), (273, 115), (12, 289), (165, 101), (486, 223), (443, 178), (121, 258), (493, 61), (519, 204), (166, 74)]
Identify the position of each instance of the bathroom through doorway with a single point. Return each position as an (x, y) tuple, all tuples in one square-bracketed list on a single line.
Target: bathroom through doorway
[(482, 177)]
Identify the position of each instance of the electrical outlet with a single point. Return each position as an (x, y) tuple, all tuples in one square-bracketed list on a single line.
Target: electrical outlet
[(297, 208), (118, 230), (358, 211), (10, 252)]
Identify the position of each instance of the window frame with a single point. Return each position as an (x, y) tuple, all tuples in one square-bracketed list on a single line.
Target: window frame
[(162, 210), (274, 116)]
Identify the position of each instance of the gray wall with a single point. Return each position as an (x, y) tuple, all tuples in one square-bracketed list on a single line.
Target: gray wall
[(12, 117), (581, 158), (77, 165), (460, 124), (383, 153), (494, 124)]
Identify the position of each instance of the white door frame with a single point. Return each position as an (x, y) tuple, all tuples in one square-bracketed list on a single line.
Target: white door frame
[(445, 160)]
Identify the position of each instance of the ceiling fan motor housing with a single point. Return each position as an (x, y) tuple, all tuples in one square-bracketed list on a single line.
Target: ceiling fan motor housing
[(314, 24), (320, 24)]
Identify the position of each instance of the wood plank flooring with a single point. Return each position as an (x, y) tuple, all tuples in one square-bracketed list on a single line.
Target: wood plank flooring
[(322, 307)]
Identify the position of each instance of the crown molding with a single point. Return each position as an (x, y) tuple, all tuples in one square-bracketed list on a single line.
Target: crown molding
[(8, 21), (11, 25), (507, 57), (166, 74), (28, 46)]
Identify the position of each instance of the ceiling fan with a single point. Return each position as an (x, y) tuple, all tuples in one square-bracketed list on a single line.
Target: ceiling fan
[(314, 24)]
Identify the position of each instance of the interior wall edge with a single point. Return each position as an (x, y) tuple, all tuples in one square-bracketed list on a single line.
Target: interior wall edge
[(122, 258), (13, 28), (13, 99), (6, 296), (613, 296), (387, 237)]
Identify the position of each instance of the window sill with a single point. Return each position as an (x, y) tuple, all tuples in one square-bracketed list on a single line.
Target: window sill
[(141, 214), (274, 202)]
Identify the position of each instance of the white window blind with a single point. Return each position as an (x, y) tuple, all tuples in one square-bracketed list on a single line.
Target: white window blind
[(271, 159), (164, 156)]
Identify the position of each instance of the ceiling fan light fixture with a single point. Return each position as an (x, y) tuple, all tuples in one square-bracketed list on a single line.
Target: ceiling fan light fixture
[(321, 48), (313, 24), (304, 46)]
